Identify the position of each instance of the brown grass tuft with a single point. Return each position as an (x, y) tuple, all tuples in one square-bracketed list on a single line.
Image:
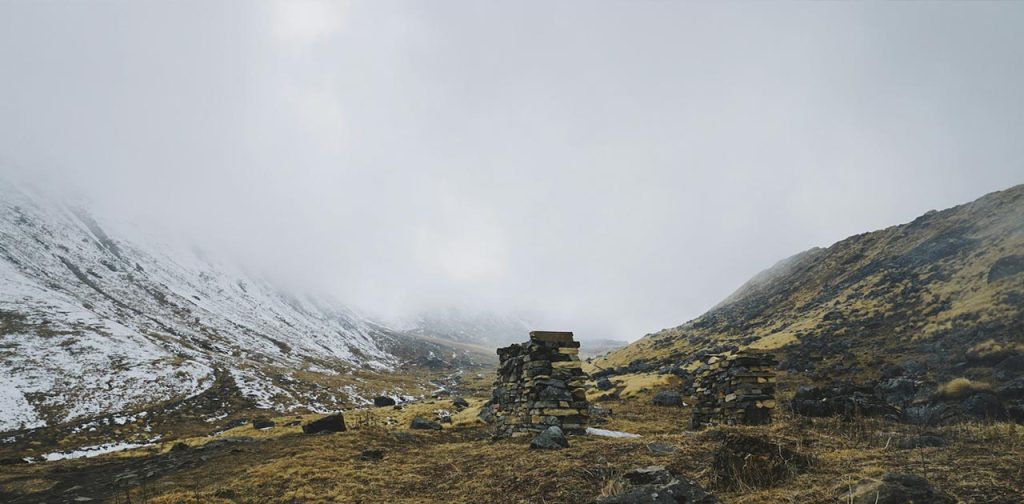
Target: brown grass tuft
[(959, 388)]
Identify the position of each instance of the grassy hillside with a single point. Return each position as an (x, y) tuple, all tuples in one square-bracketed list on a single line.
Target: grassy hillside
[(926, 292)]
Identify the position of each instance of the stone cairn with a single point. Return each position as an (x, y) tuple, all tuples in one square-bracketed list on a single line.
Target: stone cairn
[(735, 389), (540, 384)]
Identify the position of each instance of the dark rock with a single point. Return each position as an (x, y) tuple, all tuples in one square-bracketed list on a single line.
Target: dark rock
[(329, 423), (1012, 390), (930, 414), (293, 423), (551, 438), (460, 404), (382, 401), (1015, 411), (657, 485), (602, 373), (487, 414), (890, 370), (610, 396), (668, 398), (898, 390), (983, 406), (844, 399), (926, 440), (178, 447), (604, 383), (424, 424), (898, 489), (12, 461), (262, 423), (371, 455)]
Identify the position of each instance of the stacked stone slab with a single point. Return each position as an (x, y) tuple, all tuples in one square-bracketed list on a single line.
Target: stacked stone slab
[(540, 384), (734, 389)]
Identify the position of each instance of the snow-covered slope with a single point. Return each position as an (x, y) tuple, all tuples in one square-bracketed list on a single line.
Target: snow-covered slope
[(95, 321)]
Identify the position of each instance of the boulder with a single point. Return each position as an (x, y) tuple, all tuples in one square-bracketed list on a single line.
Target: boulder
[(382, 401), (898, 489), (486, 414), (551, 438), (603, 383), (424, 424), (262, 423), (983, 406), (668, 398), (657, 485), (460, 404), (329, 423)]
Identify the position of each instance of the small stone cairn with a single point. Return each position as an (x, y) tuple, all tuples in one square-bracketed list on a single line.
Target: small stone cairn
[(734, 389), (540, 384)]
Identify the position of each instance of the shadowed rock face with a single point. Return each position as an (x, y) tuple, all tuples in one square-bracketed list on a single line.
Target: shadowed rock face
[(919, 294)]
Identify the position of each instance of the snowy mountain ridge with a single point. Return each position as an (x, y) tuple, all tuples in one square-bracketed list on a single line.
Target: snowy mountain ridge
[(94, 323)]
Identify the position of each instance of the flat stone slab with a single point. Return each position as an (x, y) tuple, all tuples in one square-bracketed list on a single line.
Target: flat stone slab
[(552, 336)]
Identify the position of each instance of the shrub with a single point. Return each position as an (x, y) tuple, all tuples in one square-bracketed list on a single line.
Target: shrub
[(958, 388)]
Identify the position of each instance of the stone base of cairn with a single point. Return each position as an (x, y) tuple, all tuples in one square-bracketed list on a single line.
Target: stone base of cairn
[(734, 389), (540, 384)]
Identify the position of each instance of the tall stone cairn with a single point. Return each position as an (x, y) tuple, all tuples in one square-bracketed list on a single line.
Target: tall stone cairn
[(734, 389), (540, 384)]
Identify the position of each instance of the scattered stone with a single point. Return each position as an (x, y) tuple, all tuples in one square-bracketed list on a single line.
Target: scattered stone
[(661, 448), (753, 462), (262, 423), (424, 424), (898, 489), (460, 404), (371, 455), (603, 383), (551, 438), (382, 401), (737, 388), (657, 485), (845, 399), (486, 414), (984, 406), (540, 384), (610, 396), (899, 390), (668, 398), (598, 414), (329, 423), (293, 423), (179, 447)]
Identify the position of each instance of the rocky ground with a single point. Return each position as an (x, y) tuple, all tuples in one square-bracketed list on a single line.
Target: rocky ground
[(380, 459)]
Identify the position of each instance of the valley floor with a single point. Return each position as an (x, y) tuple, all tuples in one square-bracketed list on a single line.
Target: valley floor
[(981, 463)]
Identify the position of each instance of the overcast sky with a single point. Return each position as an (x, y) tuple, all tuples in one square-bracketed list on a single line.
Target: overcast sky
[(609, 167)]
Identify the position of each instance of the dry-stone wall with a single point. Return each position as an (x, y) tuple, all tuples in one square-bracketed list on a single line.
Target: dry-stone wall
[(734, 389), (540, 384)]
